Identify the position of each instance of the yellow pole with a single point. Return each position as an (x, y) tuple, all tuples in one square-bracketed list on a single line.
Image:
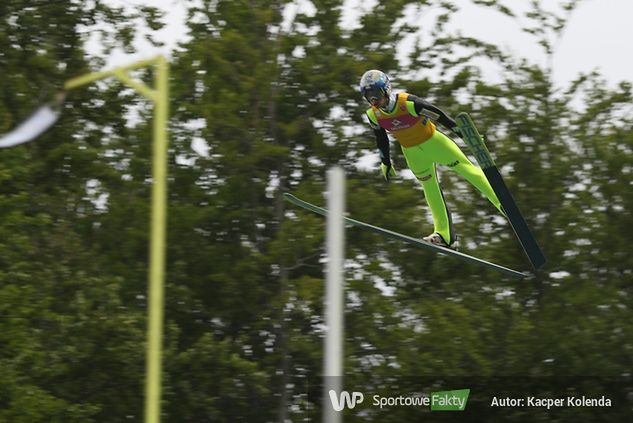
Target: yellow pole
[(158, 221), (157, 248), (96, 76)]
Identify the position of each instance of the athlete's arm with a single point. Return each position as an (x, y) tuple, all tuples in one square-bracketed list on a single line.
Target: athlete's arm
[(382, 142), (424, 108)]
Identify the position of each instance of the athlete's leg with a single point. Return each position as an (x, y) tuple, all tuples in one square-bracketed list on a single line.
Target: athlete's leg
[(422, 166), (447, 153)]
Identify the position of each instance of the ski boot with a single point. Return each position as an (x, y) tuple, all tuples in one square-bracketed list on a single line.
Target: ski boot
[(437, 239)]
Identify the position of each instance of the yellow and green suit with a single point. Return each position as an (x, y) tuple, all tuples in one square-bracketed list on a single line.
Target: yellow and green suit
[(412, 122)]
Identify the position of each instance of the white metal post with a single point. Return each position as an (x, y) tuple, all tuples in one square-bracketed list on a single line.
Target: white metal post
[(334, 294)]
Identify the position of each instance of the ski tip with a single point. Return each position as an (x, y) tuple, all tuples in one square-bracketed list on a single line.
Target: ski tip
[(464, 118)]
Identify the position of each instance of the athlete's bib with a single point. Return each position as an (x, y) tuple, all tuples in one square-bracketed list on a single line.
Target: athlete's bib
[(408, 128)]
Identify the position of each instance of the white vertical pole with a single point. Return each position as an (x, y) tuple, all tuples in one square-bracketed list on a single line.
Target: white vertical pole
[(334, 293)]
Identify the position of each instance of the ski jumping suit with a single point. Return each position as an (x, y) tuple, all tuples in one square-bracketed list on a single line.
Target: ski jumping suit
[(411, 122)]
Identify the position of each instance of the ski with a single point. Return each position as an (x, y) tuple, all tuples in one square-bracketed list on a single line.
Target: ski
[(476, 144), (410, 240)]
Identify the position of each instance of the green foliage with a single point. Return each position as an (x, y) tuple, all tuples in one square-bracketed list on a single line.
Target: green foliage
[(274, 97)]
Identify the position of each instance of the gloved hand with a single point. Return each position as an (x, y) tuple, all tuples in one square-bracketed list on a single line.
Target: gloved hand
[(388, 171)]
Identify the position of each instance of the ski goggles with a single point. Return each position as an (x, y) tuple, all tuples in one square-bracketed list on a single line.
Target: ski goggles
[(374, 95)]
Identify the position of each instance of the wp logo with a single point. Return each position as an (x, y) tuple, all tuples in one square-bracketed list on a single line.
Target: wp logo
[(339, 402)]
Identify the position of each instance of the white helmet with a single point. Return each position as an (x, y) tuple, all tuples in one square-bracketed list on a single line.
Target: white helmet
[(374, 85)]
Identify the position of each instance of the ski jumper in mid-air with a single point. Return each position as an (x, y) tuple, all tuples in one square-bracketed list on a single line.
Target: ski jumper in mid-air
[(412, 121)]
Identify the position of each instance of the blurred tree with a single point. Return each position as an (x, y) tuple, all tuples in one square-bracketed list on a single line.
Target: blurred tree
[(264, 100), (71, 348)]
